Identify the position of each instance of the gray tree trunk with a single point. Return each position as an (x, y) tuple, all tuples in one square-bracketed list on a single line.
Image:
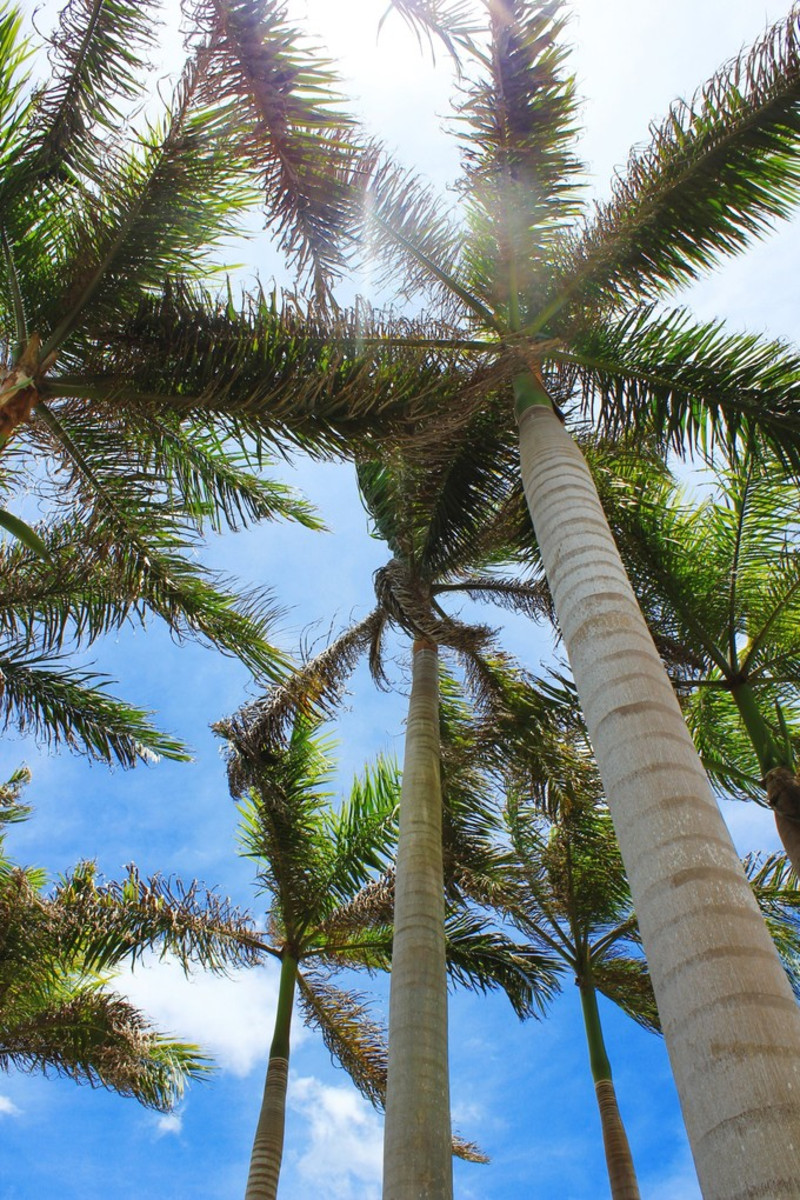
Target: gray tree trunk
[(730, 1020), (417, 1141)]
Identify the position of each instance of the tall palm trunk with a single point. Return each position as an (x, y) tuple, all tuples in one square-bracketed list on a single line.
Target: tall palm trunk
[(417, 1145), (619, 1162), (783, 791), (265, 1159), (729, 1017)]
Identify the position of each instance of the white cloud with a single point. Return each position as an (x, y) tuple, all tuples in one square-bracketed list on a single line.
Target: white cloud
[(169, 1123), (344, 1156), (230, 1017), (8, 1108)]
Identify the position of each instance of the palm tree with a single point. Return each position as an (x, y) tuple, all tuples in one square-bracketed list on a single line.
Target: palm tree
[(571, 898), (718, 579), (427, 511), (106, 226), (333, 901), (567, 313), (57, 1012)]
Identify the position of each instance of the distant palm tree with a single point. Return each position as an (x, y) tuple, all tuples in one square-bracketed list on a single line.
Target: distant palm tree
[(428, 511), (568, 893), (332, 907), (719, 580), (57, 1012)]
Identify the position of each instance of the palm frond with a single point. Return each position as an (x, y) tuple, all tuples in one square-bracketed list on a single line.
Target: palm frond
[(267, 371), (717, 172), (694, 385), (63, 706), (363, 831), (777, 892), (282, 824), (313, 688), (11, 810), (417, 242), (99, 1038), (356, 1042), (626, 982), (353, 1039), (98, 56), (286, 101), (107, 923), (451, 21), (161, 211), (482, 958), (518, 127)]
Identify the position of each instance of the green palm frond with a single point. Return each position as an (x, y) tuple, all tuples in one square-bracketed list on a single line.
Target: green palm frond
[(694, 385), (266, 370), (107, 923), (59, 705), (723, 744), (98, 1038), (161, 211), (14, 98), (209, 476), (483, 959), (716, 173), (11, 810), (97, 59), (363, 831), (776, 889), (281, 824), (518, 127)]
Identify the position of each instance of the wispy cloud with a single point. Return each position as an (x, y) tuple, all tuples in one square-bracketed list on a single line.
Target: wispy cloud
[(169, 1123), (8, 1108), (230, 1017), (344, 1155)]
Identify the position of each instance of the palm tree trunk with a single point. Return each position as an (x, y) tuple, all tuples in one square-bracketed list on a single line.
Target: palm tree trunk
[(265, 1159), (619, 1162), (785, 803), (729, 1017), (417, 1142)]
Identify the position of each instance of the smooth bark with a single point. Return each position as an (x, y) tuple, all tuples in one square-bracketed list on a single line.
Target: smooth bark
[(265, 1159), (619, 1161), (730, 1020), (417, 1139)]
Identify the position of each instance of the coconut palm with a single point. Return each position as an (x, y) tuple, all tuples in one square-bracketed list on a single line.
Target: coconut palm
[(567, 312), (332, 907), (57, 1011)]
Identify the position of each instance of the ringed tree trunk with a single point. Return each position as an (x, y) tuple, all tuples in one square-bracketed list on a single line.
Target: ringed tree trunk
[(417, 1154), (265, 1158), (619, 1161), (730, 1020)]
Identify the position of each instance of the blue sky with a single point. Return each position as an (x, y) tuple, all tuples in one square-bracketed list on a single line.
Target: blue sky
[(523, 1091)]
